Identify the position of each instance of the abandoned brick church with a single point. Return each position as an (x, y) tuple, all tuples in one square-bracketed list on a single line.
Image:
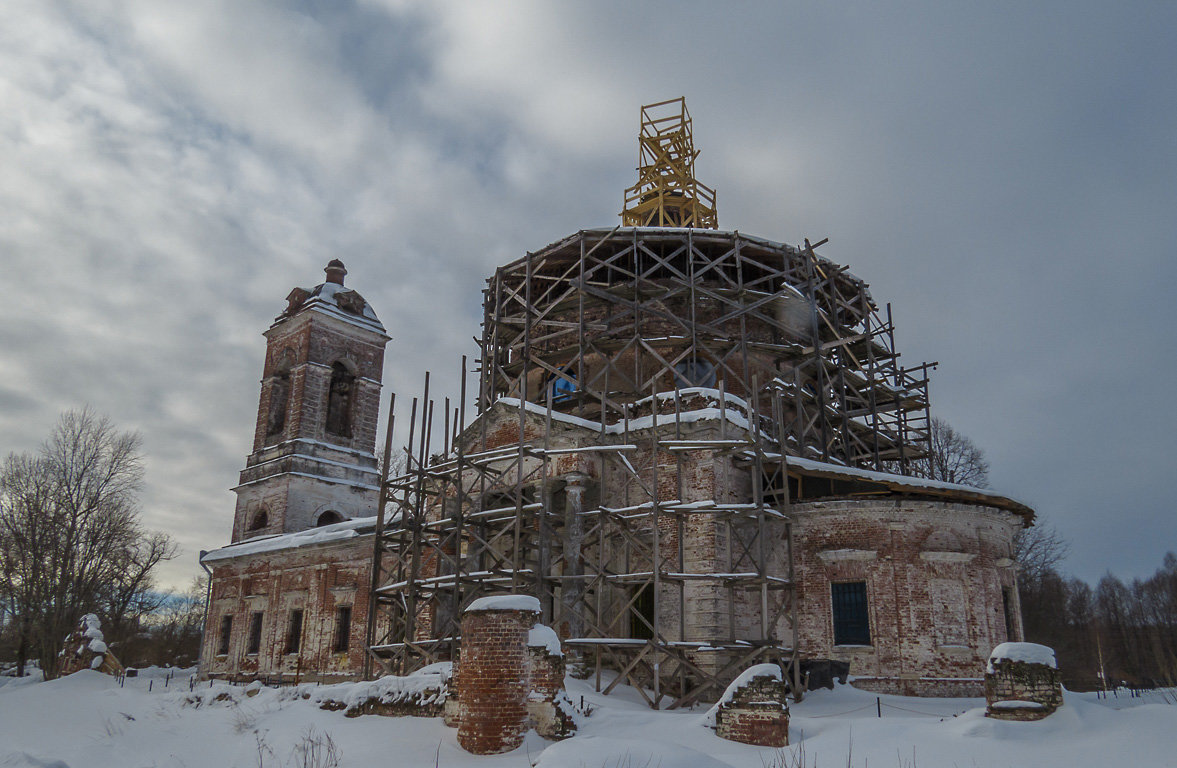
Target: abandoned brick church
[(696, 448)]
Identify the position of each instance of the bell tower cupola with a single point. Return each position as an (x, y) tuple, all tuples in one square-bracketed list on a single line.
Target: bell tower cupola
[(313, 460)]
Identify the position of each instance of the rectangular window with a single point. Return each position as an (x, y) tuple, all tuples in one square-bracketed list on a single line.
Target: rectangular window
[(294, 632), (226, 635), (255, 633), (851, 617), (342, 628)]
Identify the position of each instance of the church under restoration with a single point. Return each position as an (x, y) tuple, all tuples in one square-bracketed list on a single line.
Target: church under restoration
[(695, 447)]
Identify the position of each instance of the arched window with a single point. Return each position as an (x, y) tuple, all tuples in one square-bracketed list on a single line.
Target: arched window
[(339, 400), (330, 517), (260, 520), (279, 399), (695, 373)]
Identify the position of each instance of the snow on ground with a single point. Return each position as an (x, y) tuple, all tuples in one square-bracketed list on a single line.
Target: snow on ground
[(88, 721)]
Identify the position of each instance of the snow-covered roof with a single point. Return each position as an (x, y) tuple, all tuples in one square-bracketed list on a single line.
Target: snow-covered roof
[(907, 483), (327, 534), (734, 411), (333, 299)]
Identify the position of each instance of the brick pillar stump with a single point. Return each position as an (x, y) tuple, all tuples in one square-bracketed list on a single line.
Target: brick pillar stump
[(753, 709), (544, 703), (494, 679), (1022, 682)]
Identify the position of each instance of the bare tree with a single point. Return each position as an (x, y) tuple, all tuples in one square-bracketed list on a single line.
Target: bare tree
[(129, 597), (1038, 551), (953, 458), (70, 533), (170, 633)]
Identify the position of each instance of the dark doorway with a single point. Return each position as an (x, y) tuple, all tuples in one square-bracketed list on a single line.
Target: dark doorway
[(641, 617)]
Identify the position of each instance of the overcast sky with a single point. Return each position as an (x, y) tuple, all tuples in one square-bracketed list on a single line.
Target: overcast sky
[(1004, 173)]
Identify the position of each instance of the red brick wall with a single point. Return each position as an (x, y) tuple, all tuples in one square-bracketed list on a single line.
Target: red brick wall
[(317, 580), (756, 714), (934, 574), (764, 727), (546, 671), (494, 680)]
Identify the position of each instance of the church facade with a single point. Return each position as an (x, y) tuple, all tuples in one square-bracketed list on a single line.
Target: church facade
[(696, 448), (908, 581)]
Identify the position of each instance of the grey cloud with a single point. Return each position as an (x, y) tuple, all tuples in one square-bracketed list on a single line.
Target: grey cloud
[(1002, 174)]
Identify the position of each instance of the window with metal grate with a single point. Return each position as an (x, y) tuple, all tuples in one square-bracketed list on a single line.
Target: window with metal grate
[(851, 617)]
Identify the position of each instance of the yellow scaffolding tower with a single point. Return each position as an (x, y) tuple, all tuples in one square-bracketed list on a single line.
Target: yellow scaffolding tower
[(667, 193)]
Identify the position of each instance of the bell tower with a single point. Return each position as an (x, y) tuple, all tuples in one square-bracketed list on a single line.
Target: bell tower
[(313, 461)]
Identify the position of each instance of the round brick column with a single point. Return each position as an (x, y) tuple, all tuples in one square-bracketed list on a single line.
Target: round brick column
[(494, 679)]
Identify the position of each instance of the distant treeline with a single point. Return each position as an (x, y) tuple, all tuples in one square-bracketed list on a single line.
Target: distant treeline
[(1124, 633)]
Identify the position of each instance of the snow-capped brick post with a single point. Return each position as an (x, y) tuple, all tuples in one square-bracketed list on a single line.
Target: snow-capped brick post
[(1022, 682), (753, 709), (85, 649), (494, 681), (547, 702)]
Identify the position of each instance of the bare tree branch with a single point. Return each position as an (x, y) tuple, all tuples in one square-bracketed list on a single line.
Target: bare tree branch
[(70, 539)]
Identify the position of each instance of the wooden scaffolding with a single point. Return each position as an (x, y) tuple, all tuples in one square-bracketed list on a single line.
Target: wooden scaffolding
[(621, 332)]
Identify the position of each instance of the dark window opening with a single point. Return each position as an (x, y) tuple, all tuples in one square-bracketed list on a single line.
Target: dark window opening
[(342, 628), (1007, 607), (294, 632), (330, 517), (641, 616), (279, 401), (339, 400), (694, 373), (851, 617), (255, 633), (260, 521), (226, 635)]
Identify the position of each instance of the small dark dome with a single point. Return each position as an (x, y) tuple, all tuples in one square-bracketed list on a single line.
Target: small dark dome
[(335, 271)]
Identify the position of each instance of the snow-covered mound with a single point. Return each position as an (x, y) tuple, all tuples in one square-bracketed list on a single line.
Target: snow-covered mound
[(1030, 653), (543, 636), (745, 677)]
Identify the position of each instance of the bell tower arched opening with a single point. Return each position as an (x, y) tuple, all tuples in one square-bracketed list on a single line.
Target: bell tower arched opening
[(340, 396)]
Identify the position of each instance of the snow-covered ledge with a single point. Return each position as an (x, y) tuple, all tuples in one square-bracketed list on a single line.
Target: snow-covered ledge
[(831, 556), (947, 557)]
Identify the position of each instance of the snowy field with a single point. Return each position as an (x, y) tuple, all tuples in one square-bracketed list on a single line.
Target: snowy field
[(88, 721)]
